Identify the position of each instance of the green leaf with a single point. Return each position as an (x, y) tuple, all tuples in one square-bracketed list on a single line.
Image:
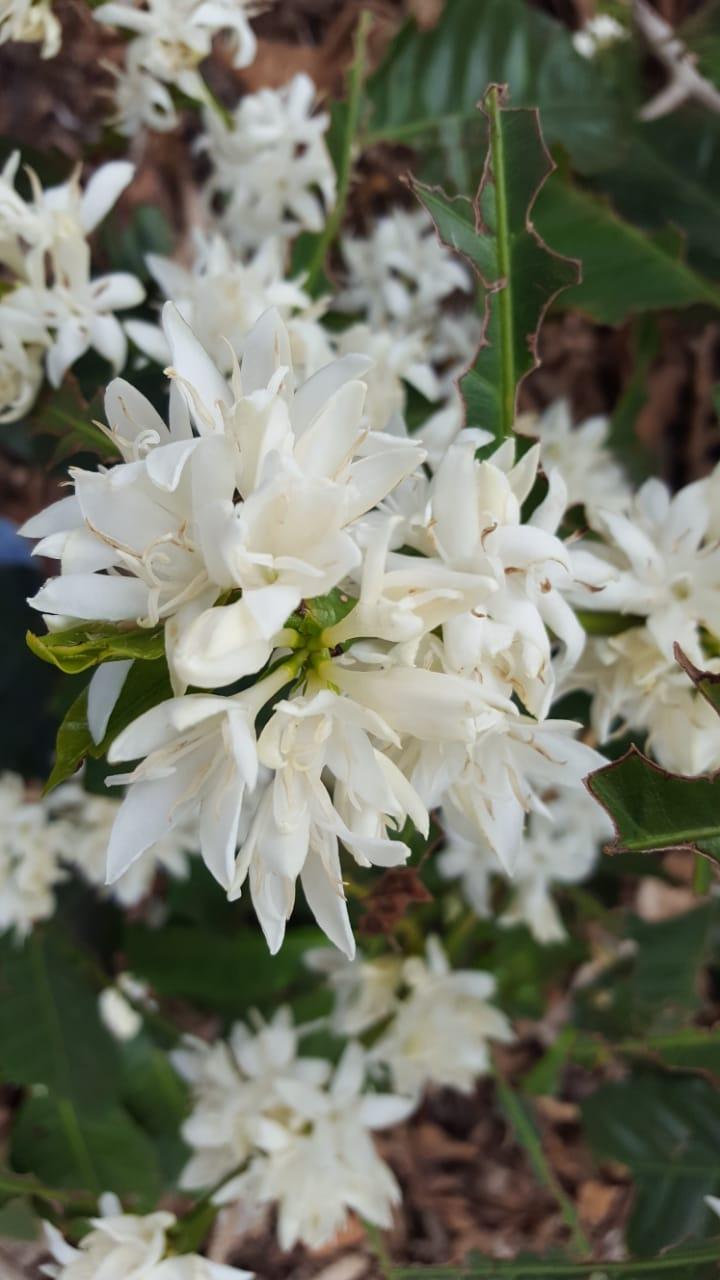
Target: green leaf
[(103, 1151), (50, 1031), (707, 683), (667, 1130), (624, 271), (75, 649), (654, 810), (156, 1098), (607, 624), (18, 1221), (147, 684), (519, 273), (229, 974), (66, 414), (426, 91)]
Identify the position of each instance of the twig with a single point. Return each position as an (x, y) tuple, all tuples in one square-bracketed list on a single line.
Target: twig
[(685, 79), (528, 1138)]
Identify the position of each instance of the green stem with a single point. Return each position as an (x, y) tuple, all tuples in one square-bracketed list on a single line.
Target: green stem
[(335, 218), (555, 1270), (377, 1244), (504, 297), (26, 1187), (528, 1138)]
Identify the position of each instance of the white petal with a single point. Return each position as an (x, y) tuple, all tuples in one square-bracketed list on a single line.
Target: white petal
[(103, 189), (103, 692)]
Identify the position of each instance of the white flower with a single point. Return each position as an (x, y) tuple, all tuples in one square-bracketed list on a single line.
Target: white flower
[(171, 38), (21, 368), (635, 686), (321, 1163), (54, 300), (298, 826), (30, 21), (559, 846), (400, 272), (396, 359), (30, 848), (222, 297), (660, 562), (271, 164), (118, 1015), (440, 1032), (597, 34), (472, 521), (199, 756), (121, 1245), (364, 990), (89, 821), (580, 453), (238, 1090)]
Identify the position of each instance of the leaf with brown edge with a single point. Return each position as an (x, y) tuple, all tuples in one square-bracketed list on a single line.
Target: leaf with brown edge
[(707, 683), (520, 275), (655, 811)]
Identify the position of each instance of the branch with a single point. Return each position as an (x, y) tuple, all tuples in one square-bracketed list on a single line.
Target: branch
[(685, 79)]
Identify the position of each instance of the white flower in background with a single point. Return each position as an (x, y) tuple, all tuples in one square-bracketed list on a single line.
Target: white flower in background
[(21, 367), (222, 297), (141, 101), (238, 1089), (120, 1245), (364, 991), (597, 34), (271, 164), (30, 848), (660, 561), (170, 38), (635, 686), (321, 1163), (400, 272), (31, 22), (441, 1031), (397, 359), (118, 1015), (580, 453), (559, 846), (89, 821), (54, 300)]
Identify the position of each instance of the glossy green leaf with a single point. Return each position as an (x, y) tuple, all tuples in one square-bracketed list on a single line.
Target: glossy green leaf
[(624, 271), (67, 415), (667, 1130), (426, 91), (18, 1221), (76, 649), (50, 1031), (519, 274), (147, 684), (98, 1151), (654, 810)]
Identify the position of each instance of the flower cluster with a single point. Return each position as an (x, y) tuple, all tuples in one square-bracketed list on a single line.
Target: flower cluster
[(415, 1009), (120, 1245), (55, 308), (655, 564), (298, 1129), (258, 529), (41, 839), (169, 40), (271, 170), (31, 846), (560, 846)]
